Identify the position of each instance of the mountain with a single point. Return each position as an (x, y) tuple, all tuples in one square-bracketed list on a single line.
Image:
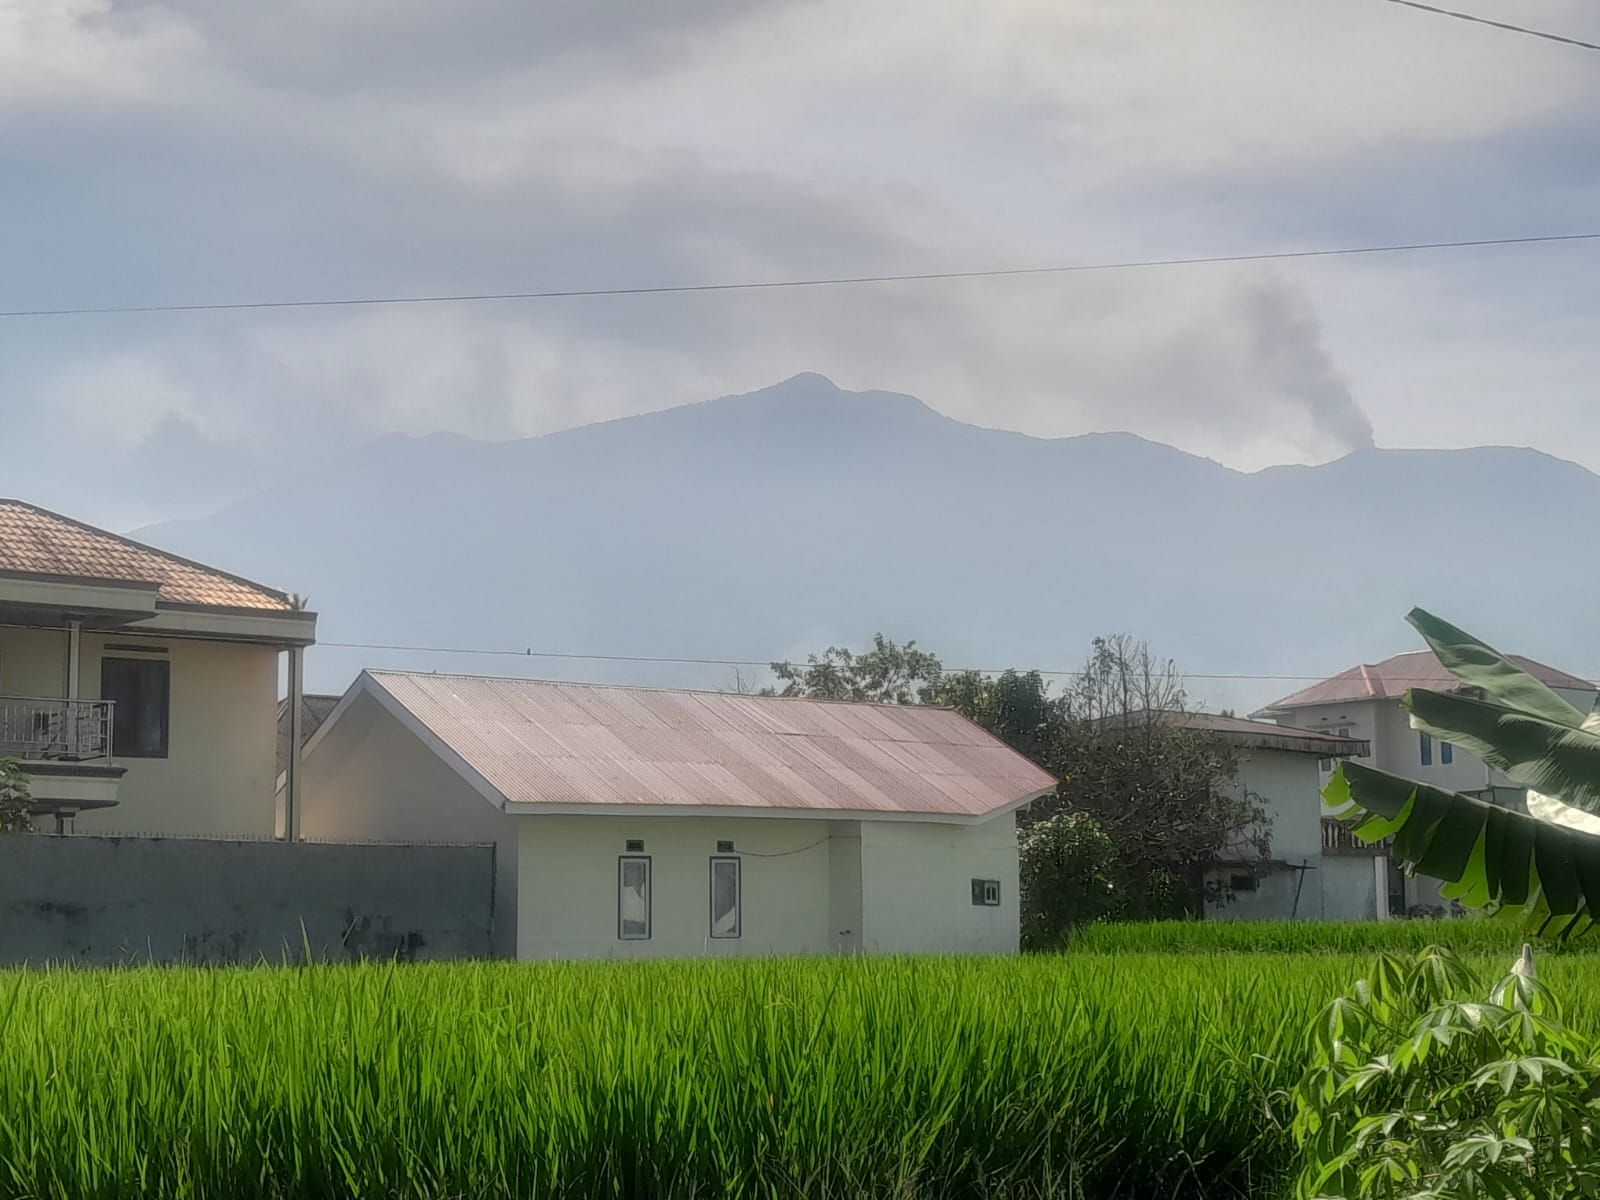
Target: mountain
[(803, 515)]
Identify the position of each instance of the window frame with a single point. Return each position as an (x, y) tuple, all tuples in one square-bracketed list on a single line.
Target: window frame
[(738, 897), (981, 889), (1425, 748), (649, 897), (120, 746), (1447, 753)]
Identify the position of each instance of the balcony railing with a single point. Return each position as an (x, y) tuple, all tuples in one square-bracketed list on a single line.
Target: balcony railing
[(1337, 839), (41, 728)]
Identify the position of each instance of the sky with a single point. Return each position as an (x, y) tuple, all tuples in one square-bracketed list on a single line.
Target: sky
[(228, 150)]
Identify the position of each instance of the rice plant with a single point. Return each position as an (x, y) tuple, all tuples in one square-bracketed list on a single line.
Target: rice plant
[(1471, 935), (1085, 1075)]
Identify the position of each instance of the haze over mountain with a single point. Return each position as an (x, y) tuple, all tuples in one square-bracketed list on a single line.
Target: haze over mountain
[(801, 515)]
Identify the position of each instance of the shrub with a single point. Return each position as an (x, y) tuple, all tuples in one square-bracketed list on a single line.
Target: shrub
[(1067, 867), (14, 797), (1420, 1089)]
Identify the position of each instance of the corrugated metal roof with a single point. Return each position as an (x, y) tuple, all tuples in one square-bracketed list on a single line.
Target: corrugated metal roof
[(570, 743), (1391, 678), (36, 541)]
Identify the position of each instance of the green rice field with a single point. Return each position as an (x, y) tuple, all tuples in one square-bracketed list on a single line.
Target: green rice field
[(1118, 1069)]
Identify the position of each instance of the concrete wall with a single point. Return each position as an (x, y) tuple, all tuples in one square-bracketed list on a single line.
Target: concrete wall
[(569, 896), (370, 779), (95, 900), (33, 662), (1349, 888), (1288, 786), (916, 887)]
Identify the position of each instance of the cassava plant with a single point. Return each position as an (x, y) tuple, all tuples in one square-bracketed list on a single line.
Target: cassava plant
[(1424, 1086), (1545, 861)]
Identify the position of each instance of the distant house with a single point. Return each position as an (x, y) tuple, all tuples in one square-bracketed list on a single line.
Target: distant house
[(138, 688), (1364, 703), (1278, 767), (633, 822)]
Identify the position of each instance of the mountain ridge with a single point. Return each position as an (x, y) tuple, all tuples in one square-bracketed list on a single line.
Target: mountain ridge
[(779, 521)]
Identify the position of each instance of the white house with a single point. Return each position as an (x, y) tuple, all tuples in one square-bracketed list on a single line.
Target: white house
[(1364, 703), (138, 688), (632, 822), (1278, 768)]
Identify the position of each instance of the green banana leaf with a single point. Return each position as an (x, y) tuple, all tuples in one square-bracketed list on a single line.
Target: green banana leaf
[(1545, 861), (1480, 665), (1535, 752), (1485, 853)]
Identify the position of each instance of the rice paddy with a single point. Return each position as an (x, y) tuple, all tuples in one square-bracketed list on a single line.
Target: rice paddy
[(1095, 1074)]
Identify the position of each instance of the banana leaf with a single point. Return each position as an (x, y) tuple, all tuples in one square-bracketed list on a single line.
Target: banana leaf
[(1480, 665), (1486, 853)]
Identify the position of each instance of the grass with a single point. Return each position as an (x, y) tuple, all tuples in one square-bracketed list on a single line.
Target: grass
[(1095, 1075), (1473, 935)]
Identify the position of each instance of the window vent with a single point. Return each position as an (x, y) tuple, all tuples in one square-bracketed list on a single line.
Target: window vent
[(724, 847), (635, 845), (986, 893)]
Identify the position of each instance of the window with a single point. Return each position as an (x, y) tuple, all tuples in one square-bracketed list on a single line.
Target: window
[(1243, 883), (142, 689), (724, 897), (1447, 753), (634, 846), (1425, 743), (986, 892), (633, 898)]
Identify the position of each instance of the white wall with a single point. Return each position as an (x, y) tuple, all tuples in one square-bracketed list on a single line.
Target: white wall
[(33, 662), (916, 887), (370, 779), (567, 906), (1349, 888), (1288, 786)]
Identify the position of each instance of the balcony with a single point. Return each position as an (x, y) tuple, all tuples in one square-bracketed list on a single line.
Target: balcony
[(1337, 839), (65, 748), (40, 729)]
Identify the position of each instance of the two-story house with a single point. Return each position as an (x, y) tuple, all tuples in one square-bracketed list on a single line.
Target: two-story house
[(140, 689), (1364, 703)]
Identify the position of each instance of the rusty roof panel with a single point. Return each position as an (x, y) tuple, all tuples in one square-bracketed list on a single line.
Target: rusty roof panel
[(1394, 676), (567, 743)]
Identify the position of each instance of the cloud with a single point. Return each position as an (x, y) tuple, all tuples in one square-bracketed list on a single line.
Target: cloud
[(226, 150)]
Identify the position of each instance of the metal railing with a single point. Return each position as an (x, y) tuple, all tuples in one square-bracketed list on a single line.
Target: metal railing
[(1337, 839), (42, 728)]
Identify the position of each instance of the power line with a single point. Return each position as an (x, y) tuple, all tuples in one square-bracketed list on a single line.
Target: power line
[(667, 660), (1461, 16), (820, 281)]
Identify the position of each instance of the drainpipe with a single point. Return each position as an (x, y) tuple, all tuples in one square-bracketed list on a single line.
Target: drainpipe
[(74, 656), (291, 787)]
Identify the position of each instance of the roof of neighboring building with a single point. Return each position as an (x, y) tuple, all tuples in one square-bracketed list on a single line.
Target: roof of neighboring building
[(1264, 735), (35, 541), (314, 710), (1391, 678), (573, 746)]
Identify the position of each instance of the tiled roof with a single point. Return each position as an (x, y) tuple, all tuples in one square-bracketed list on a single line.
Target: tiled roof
[(36, 541), (580, 744), (1264, 735), (1391, 678)]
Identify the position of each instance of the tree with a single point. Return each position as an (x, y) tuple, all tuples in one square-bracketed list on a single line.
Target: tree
[(887, 674), (1165, 798), (14, 798), (1068, 876), (1544, 862)]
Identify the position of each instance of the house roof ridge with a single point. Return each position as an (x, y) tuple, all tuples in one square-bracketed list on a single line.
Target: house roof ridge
[(652, 687)]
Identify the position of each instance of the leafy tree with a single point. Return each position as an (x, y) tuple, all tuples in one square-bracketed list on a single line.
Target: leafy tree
[(887, 674), (1166, 798), (1544, 862), (1420, 1087), (1068, 874), (14, 798)]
